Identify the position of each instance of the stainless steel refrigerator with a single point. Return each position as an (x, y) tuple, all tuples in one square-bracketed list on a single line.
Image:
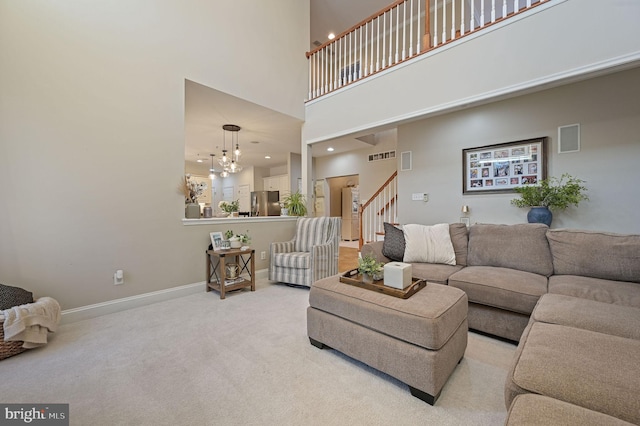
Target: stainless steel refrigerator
[(265, 203)]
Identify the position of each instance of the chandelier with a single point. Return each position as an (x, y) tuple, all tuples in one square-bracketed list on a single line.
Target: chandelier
[(230, 163)]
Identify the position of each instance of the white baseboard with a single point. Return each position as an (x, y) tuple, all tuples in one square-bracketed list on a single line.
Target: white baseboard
[(112, 306)]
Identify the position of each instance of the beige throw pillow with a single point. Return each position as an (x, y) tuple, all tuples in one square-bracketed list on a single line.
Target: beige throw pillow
[(428, 244)]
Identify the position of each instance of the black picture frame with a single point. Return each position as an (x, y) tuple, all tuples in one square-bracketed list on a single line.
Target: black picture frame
[(502, 167)]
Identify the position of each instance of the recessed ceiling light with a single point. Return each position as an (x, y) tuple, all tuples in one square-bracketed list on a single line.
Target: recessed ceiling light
[(332, 36), (199, 160), (330, 149), (267, 157)]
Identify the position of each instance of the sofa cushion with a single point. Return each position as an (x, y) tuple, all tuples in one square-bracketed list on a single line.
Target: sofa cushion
[(537, 410), (523, 247), (429, 244), (622, 321), (617, 292), (593, 370), (13, 296), (459, 234), (595, 254), (428, 319), (393, 244), (504, 288), (434, 272)]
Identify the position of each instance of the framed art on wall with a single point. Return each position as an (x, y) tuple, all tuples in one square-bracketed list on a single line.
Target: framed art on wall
[(502, 167)]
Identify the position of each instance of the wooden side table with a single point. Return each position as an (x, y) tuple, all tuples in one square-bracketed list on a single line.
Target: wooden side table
[(217, 261)]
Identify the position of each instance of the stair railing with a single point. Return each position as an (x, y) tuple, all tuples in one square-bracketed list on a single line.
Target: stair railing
[(399, 32), (381, 207)]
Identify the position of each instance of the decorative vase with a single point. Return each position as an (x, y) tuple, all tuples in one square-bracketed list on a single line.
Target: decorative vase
[(235, 242), (540, 215), (192, 211), (367, 279), (284, 211), (233, 214), (207, 212)]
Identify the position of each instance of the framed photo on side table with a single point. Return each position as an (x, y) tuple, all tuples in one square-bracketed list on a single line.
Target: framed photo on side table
[(216, 239), (502, 167)]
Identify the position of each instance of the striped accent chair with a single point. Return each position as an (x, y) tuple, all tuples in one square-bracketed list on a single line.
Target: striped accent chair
[(312, 254)]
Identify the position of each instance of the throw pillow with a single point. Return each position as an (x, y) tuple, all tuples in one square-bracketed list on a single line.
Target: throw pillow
[(13, 296), (393, 245), (428, 244)]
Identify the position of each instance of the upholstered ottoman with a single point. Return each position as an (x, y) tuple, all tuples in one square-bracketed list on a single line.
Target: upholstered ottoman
[(418, 340)]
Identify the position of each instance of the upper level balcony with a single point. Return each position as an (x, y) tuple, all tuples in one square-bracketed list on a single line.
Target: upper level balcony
[(419, 58)]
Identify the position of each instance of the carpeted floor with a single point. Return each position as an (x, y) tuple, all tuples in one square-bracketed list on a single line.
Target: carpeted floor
[(245, 360)]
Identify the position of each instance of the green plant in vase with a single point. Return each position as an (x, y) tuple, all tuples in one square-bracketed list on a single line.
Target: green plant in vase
[(550, 194), (296, 204), (370, 268)]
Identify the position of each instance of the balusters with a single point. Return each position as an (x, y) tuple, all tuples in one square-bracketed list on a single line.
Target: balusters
[(472, 12), (435, 24), (371, 47), (418, 35), (493, 11), (444, 21), (462, 18), (453, 19)]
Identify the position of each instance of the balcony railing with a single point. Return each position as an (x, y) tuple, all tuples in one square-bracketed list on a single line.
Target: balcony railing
[(403, 30)]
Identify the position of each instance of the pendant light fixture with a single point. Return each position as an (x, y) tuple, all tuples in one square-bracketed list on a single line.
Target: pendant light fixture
[(230, 163)]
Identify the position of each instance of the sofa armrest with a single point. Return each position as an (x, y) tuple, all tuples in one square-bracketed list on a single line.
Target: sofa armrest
[(374, 249)]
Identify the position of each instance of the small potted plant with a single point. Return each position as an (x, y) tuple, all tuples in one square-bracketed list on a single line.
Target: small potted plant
[(237, 240), (230, 207), (295, 204), (550, 194), (370, 268)]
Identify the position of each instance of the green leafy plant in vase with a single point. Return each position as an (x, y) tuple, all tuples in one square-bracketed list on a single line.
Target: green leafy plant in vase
[(296, 204), (370, 268), (549, 195), (237, 240)]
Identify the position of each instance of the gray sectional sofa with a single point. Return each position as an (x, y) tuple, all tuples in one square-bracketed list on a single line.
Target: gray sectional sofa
[(571, 298)]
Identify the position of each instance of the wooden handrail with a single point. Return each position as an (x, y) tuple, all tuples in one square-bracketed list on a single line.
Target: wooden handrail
[(384, 185)]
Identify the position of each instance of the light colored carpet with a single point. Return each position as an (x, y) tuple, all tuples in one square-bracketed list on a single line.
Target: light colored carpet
[(245, 360)]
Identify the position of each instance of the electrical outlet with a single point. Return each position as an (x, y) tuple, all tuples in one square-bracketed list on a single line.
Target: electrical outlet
[(425, 197), (263, 255)]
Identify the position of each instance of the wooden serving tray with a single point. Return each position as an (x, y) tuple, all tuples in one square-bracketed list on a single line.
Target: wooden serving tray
[(352, 277)]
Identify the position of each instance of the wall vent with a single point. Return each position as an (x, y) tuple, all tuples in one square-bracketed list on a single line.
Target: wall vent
[(405, 161), (569, 138)]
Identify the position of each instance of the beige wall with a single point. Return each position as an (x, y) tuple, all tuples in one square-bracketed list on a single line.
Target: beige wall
[(92, 132)]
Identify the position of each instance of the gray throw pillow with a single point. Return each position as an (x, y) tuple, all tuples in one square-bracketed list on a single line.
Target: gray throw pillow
[(13, 296), (393, 245)]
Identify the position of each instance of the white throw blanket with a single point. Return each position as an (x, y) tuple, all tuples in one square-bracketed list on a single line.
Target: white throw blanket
[(31, 322)]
